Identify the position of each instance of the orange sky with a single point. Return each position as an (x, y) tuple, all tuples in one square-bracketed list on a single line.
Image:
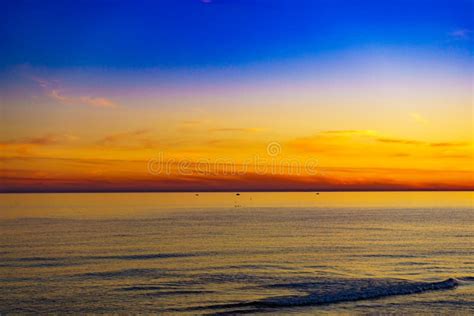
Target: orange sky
[(332, 103)]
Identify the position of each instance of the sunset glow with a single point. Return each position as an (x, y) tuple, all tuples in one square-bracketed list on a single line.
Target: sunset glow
[(193, 93)]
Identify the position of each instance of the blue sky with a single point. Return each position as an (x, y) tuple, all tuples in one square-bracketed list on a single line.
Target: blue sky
[(216, 33)]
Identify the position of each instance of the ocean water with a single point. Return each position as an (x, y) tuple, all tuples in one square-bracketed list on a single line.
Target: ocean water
[(222, 253)]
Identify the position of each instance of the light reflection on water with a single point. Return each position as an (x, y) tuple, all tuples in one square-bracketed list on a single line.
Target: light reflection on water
[(219, 252)]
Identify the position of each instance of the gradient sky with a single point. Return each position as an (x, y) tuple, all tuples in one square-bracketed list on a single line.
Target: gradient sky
[(195, 95)]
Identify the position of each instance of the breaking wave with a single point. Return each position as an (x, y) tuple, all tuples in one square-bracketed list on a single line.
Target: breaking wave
[(338, 291)]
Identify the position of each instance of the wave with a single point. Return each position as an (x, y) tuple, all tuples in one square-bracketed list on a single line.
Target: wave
[(338, 291), (36, 262), (375, 291), (146, 256), (126, 273)]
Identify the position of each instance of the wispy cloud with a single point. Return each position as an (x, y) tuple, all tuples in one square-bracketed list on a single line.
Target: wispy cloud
[(44, 140), (82, 100), (141, 137), (349, 143), (99, 102), (237, 129), (461, 34), (27, 145), (418, 142), (52, 90), (399, 141), (349, 132), (42, 82), (450, 144)]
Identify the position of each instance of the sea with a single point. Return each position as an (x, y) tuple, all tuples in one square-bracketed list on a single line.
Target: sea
[(199, 253)]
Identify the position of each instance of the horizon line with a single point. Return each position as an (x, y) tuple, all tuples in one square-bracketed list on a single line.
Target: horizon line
[(232, 191)]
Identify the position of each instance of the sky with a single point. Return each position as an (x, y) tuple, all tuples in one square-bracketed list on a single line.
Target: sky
[(228, 95)]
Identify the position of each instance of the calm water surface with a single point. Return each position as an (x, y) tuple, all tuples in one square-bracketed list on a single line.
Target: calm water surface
[(217, 253)]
